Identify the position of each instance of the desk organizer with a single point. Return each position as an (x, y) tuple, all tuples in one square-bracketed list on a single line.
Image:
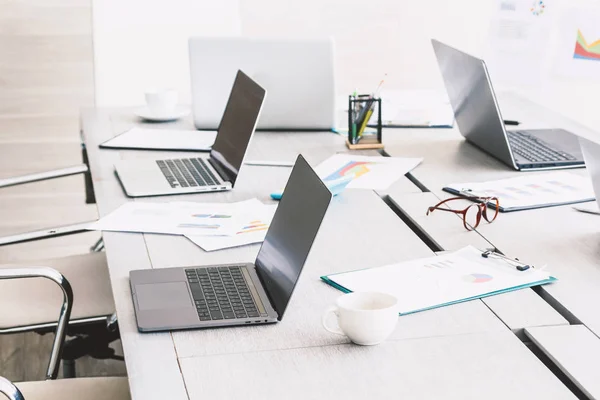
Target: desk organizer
[(361, 110)]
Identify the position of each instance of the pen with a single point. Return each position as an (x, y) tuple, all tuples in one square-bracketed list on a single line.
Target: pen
[(511, 122)]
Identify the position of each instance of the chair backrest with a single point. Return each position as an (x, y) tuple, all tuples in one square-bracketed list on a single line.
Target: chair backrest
[(65, 311), (10, 390)]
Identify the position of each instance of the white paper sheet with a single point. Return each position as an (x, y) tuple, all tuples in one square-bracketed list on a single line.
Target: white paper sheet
[(415, 108), (257, 219), (518, 40), (533, 190), (578, 25), (376, 173), (170, 218), (163, 139), (436, 281)]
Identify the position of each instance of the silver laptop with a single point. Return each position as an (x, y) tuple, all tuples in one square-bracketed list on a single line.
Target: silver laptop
[(479, 119), (216, 172), (298, 74), (591, 154), (240, 293)]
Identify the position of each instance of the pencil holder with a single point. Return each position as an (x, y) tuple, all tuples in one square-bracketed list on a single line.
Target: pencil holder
[(364, 123)]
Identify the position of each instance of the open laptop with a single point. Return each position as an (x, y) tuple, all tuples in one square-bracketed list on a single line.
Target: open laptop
[(298, 74), (479, 119), (241, 293), (591, 154), (219, 171)]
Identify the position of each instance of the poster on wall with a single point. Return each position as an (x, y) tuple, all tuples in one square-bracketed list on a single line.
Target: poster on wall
[(577, 54), (518, 40)]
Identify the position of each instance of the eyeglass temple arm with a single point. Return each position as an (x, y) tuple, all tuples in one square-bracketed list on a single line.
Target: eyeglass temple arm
[(437, 206)]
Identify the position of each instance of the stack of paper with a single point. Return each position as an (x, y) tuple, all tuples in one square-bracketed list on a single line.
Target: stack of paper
[(530, 190), (442, 280), (212, 226)]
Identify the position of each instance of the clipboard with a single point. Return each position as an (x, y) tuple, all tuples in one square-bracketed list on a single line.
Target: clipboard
[(443, 280), (162, 139)]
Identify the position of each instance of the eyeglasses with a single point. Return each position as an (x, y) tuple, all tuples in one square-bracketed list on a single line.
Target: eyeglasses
[(473, 213)]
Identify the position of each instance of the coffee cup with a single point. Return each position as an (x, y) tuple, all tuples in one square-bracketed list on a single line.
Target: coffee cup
[(366, 318), (161, 102)]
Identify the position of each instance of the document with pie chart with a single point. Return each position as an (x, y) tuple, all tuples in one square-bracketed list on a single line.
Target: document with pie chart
[(440, 281), (375, 173)]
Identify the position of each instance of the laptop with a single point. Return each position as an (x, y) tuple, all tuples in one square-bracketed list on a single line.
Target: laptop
[(298, 74), (479, 119), (241, 293), (591, 154), (218, 171)]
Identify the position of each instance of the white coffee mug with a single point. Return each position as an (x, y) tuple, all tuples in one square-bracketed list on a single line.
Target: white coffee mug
[(161, 102), (366, 318)]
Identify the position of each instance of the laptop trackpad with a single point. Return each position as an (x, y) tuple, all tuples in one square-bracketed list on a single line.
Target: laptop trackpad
[(159, 296)]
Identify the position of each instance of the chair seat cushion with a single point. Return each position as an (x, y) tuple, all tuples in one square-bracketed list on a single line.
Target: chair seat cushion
[(32, 301), (78, 388)]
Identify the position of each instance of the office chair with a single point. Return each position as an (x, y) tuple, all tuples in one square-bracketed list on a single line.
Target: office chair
[(83, 388), (94, 325)]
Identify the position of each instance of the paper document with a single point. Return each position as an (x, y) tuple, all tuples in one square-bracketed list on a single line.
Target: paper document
[(162, 139), (519, 41), (376, 173), (170, 218), (255, 217), (419, 108), (442, 280), (577, 48), (531, 190)]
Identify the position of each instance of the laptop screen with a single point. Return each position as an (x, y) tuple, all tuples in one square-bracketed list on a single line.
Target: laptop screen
[(472, 98), (237, 125), (291, 234)]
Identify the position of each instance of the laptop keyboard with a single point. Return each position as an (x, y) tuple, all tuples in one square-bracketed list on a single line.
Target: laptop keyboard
[(534, 149), (221, 293), (187, 172)]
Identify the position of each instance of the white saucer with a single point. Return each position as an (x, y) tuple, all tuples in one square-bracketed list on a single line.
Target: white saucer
[(178, 112)]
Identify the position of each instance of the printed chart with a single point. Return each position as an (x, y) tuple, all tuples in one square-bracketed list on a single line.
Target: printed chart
[(478, 278), (356, 168), (585, 51)]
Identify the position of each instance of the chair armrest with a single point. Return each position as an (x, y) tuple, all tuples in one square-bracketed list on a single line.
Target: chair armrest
[(65, 311), (45, 233), (42, 176), (10, 390)]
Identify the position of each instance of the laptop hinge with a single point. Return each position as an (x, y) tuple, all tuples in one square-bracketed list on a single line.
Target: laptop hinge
[(223, 173), (266, 289)]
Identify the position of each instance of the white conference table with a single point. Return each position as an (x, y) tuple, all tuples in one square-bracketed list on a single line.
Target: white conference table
[(463, 351), (565, 240)]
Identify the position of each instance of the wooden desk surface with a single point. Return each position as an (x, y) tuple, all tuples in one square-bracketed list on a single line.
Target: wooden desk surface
[(355, 217), (567, 241), (473, 366), (575, 350)]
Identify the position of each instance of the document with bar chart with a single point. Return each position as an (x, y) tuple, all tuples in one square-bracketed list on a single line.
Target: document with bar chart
[(531, 190)]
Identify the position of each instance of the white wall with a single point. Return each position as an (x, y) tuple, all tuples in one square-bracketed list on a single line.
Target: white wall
[(143, 43), (374, 37)]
